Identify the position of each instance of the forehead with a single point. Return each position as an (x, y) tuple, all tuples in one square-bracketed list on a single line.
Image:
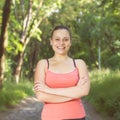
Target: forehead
[(61, 32)]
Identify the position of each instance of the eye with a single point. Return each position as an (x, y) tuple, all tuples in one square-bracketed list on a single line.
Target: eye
[(66, 39), (57, 39)]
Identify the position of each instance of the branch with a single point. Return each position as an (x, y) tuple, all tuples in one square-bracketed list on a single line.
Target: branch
[(26, 22)]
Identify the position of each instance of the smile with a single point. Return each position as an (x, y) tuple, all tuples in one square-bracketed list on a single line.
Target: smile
[(61, 47)]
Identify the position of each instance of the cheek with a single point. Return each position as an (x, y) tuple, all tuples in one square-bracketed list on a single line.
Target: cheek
[(68, 44), (53, 43)]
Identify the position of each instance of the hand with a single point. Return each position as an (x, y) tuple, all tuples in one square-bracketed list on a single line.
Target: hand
[(83, 80), (41, 86)]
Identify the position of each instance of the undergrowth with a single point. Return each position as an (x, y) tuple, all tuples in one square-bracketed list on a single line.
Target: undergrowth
[(105, 92), (12, 93)]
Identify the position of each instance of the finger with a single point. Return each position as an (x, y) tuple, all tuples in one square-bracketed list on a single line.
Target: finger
[(83, 82), (37, 87)]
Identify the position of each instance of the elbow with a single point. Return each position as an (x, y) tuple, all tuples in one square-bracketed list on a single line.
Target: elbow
[(39, 97), (85, 93)]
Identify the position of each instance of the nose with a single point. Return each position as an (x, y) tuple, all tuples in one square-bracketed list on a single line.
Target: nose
[(61, 42)]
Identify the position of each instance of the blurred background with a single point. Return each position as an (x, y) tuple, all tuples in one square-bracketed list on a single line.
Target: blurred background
[(25, 28)]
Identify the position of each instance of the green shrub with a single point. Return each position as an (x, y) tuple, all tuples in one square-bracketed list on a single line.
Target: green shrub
[(11, 93), (104, 93)]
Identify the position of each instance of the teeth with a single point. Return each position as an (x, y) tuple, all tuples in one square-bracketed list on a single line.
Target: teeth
[(61, 47)]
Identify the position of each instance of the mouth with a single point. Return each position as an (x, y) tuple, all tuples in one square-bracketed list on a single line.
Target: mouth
[(61, 48)]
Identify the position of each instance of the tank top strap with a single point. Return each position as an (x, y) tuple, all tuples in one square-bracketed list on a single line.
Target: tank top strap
[(74, 63), (47, 63)]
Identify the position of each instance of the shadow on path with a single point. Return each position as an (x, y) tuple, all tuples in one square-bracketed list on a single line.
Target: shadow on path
[(30, 109)]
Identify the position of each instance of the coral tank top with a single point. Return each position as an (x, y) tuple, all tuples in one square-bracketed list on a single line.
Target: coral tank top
[(65, 110)]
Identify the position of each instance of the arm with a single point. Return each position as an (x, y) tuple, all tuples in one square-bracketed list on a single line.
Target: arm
[(40, 77), (51, 98), (78, 91)]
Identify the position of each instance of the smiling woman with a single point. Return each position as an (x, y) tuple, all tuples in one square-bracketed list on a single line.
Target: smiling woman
[(60, 41), (61, 81)]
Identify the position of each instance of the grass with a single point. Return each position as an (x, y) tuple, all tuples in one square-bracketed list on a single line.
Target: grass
[(11, 93), (105, 92)]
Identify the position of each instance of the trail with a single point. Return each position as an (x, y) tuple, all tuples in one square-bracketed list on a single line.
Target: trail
[(30, 109)]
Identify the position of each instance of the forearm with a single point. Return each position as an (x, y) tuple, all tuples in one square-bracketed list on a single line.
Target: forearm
[(74, 92), (51, 98)]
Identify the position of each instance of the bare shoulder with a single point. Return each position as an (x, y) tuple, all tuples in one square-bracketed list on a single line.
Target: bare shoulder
[(82, 67), (40, 70), (42, 63), (80, 62)]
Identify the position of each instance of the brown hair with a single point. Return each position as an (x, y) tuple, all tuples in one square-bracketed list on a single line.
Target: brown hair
[(60, 27)]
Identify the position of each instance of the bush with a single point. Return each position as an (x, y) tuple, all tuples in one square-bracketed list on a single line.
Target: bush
[(11, 93), (104, 94)]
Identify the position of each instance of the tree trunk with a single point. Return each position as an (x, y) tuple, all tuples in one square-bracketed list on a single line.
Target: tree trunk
[(25, 38), (3, 37), (1, 71), (20, 58)]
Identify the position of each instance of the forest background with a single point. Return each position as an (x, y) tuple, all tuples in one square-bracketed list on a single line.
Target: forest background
[(25, 28)]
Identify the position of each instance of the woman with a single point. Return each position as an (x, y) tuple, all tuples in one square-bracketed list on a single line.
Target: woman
[(60, 81)]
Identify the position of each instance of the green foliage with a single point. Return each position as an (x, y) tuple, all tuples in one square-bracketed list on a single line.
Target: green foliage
[(113, 62), (90, 22), (37, 34), (1, 7), (104, 94), (25, 19), (11, 93)]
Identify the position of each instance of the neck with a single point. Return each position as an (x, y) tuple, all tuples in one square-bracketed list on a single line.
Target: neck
[(60, 57)]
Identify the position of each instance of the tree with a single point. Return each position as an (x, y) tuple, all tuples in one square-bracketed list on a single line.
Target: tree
[(91, 22), (32, 18), (95, 27), (4, 37)]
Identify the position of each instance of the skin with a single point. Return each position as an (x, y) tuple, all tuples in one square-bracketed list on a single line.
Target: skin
[(61, 44)]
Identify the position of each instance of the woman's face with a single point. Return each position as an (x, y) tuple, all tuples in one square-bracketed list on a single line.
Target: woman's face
[(60, 41)]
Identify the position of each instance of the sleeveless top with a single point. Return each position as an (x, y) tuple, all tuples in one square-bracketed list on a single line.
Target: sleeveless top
[(64, 110)]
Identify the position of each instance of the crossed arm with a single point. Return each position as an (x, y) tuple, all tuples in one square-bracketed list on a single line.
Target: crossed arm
[(41, 95), (56, 95)]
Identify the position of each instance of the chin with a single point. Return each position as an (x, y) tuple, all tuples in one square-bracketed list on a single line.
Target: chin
[(61, 53)]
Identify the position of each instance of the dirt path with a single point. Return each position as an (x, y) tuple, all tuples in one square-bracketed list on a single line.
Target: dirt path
[(30, 109)]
